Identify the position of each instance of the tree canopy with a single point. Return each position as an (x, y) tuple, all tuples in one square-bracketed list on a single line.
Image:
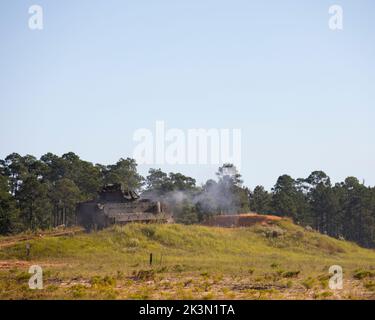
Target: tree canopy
[(42, 193)]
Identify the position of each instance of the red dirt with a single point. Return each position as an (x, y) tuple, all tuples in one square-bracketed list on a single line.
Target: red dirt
[(8, 264), (241, 220), (13, 240), (22, 264)]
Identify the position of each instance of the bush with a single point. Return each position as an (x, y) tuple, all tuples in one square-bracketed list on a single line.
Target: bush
[(362, 274), (78, 290), (291, 274), (105, 281), (370, 285), (144, 274), (308, 283)]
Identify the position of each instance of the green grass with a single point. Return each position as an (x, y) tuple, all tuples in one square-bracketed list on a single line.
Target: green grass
[(188, 262)]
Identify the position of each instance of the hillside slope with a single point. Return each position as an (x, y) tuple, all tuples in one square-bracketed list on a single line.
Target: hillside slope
[(281, 261)]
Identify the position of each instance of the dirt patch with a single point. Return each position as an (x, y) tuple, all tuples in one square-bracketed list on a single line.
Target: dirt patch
[(23, 264), (241, 220), (11, 264), (13, 240), (242, 287)]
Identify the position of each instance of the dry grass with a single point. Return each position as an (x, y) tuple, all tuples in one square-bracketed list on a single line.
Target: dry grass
[(280, 261)]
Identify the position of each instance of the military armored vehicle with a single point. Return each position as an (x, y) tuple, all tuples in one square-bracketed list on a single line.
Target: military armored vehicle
[(117, 206)]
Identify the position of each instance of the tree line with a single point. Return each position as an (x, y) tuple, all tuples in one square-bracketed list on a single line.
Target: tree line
[(43, 193)]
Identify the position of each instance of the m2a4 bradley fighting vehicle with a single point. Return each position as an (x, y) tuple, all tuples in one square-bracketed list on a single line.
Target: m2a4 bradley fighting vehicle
[(117, 206)]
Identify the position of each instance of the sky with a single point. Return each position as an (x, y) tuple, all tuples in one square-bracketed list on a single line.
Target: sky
[(302, 94)]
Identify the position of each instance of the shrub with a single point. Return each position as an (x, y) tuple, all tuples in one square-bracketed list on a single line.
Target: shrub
[(105, 281), (144, 274), (323, 295), (370, 285), (362, 274), (251, 271), (178, 268), (78, 290), (291, 274), (308, 283)]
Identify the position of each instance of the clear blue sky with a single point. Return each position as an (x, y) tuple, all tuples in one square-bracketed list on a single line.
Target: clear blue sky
[(303, 95)]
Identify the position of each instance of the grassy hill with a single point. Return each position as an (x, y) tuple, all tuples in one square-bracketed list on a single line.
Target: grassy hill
[(281, 261)]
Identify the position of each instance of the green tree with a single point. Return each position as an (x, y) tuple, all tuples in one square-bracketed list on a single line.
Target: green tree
[(158, 182), (231, 196), (124, 172), (14, 167), (83, 173), (260, 200), (55, 167), (9, 222), (65, 195), (357, 205), (229, 175), (324, 203), (35, 207), (161, 183), (285, 197), (181, 182)]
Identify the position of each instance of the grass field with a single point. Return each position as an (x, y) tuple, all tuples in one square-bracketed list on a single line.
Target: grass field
[(282, 261)]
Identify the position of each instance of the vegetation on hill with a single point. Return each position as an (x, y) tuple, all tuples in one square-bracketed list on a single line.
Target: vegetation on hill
[(280, 261), (42, 193)]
